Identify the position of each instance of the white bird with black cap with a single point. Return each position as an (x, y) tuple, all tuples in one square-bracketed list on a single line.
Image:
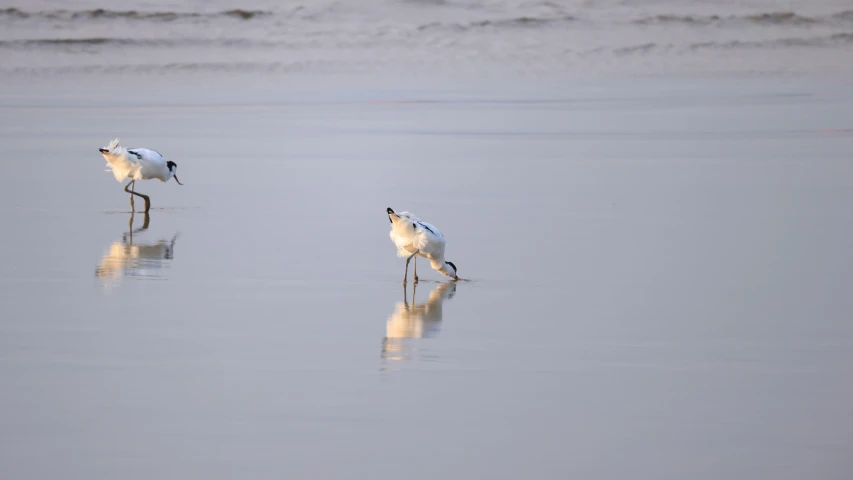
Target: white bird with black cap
[(416, 238), (138, 164)]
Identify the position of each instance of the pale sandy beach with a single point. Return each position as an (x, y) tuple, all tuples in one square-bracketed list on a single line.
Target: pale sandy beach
[(655, 241)]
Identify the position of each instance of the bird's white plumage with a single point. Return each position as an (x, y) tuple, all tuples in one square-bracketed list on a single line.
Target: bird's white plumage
[(136, 163), (411, 234)]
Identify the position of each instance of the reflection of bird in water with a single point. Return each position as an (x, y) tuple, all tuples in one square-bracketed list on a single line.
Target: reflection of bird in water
[(138, 164), (134, 259), (414, 321)]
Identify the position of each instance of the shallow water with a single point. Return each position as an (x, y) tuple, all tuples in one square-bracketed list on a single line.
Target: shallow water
[(659, 278)]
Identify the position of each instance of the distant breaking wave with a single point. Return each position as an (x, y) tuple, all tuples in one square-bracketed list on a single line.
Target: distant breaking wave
[(100, 13), (815, 41), (557, 18), (831, 40), (506, 22), (155, 69), (771, 18), (821, 41), (125, 41)]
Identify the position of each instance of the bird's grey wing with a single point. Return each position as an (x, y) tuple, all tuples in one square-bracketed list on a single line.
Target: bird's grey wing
[(148, 156), (432, 229)]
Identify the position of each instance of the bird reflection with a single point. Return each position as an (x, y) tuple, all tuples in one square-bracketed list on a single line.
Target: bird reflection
[(414, 321), (126, 258)]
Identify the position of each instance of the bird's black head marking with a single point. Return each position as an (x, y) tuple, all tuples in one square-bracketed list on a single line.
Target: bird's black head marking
[(414, 225), (455, 270), (171, 165)]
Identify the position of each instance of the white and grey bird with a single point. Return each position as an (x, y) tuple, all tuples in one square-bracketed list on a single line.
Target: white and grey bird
[(416, 238), (138, 164)]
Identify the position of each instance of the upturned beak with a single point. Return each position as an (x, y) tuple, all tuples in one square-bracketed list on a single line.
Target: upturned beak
[(103, 150), (176, 179)]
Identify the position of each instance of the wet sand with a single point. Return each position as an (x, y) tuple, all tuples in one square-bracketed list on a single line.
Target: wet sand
[(659, 283)]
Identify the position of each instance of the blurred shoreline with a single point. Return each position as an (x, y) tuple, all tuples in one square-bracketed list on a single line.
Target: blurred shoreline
[(569, 40)]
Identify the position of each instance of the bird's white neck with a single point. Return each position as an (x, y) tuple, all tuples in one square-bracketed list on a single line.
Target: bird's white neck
[(443, 267)]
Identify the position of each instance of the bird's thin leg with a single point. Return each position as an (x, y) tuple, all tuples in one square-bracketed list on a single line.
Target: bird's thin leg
[(131, 192), (409, 259), (416, 271), (132, 206), (414, 289)]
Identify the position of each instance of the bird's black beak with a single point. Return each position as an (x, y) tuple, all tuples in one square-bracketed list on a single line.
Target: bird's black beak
[(103, 150), (176, 179)]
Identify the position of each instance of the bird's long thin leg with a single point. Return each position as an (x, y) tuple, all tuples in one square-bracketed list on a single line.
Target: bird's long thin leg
[(409, 259), (416, 271), (131, 192)]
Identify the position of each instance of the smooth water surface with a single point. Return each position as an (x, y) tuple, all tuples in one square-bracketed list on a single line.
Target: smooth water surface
[(657, 284)]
